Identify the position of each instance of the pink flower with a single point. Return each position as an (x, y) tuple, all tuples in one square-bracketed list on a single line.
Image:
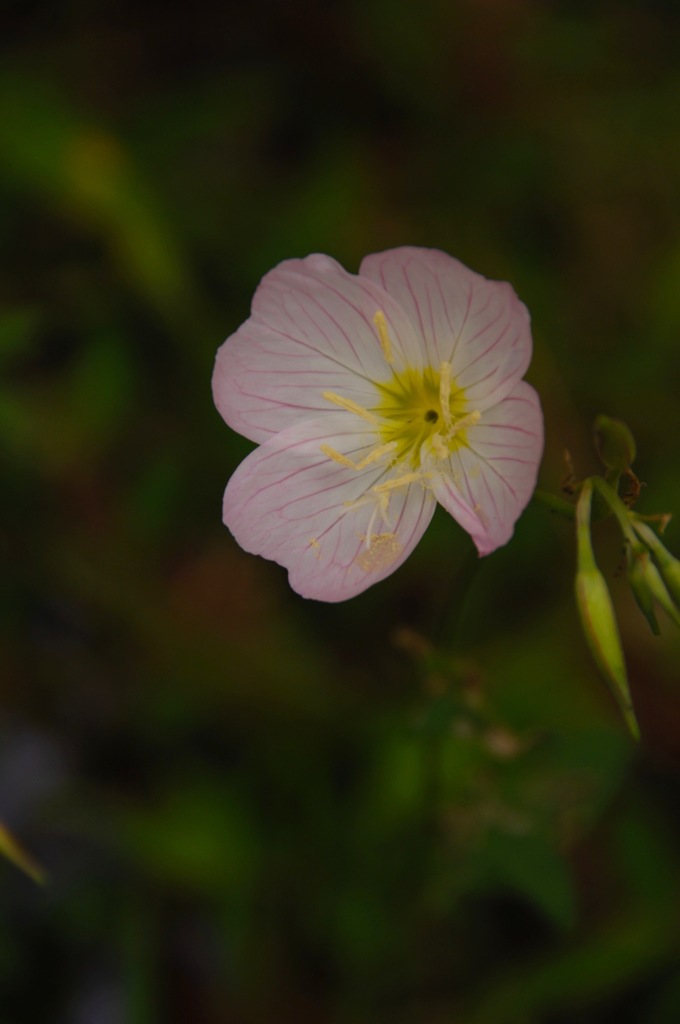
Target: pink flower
[(373, 397)]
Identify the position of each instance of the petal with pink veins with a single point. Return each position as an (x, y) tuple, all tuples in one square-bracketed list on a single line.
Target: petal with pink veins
[(478, 326), (312, 330), (486, 483), (291, 502)]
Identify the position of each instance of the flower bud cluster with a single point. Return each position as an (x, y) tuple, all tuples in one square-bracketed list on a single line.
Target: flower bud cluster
[(653, 572)]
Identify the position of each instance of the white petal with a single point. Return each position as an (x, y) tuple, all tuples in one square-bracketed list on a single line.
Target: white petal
[(478, 326), (312, 329), (290, 502), (486, 484)]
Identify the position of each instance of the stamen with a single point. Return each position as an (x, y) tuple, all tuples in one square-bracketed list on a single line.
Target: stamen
[(439, 446), (350, 406), (385, 343), (400, 481), (465, 421), (377, 453), (374, 515), (350, 506), (445, 393), (380, 503), (372, 456), (338, 457)]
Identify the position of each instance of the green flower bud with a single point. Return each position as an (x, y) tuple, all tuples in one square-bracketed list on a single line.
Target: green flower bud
[(614, 444), (638, 565), (597, 614), (669, 567), (648, 586)]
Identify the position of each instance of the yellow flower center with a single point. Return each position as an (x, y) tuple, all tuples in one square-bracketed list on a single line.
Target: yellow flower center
[(418, 407), (421, 406), (419, 411)]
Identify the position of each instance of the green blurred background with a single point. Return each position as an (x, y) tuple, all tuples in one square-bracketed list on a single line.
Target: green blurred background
[(420, 806)]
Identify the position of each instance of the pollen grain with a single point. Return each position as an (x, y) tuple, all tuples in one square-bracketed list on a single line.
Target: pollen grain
[(382, 551)]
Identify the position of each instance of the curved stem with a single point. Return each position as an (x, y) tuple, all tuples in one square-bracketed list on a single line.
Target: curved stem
[(617, 507)]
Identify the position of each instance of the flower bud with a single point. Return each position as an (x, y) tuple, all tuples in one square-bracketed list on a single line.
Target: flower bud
[(597, 614), (638, 564), (648, 586), (669, 567), (614, 444)]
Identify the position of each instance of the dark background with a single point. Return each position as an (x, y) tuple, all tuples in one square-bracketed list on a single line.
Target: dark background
[(420, 806)]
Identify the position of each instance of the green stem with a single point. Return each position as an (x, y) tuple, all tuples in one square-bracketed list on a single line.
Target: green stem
[(618, 508), (584, 544)]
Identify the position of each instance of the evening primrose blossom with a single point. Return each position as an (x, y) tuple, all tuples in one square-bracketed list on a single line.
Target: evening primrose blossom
[(372, 397)]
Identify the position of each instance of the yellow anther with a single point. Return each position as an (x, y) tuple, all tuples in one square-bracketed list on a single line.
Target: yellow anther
[(350, 406), (372, 456), (385, 343), (338, 457), (439, 447), (400, 481), (377, 453), (465, 421)]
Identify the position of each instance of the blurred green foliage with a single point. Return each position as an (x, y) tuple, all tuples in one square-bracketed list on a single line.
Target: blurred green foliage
[(251, 807)]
